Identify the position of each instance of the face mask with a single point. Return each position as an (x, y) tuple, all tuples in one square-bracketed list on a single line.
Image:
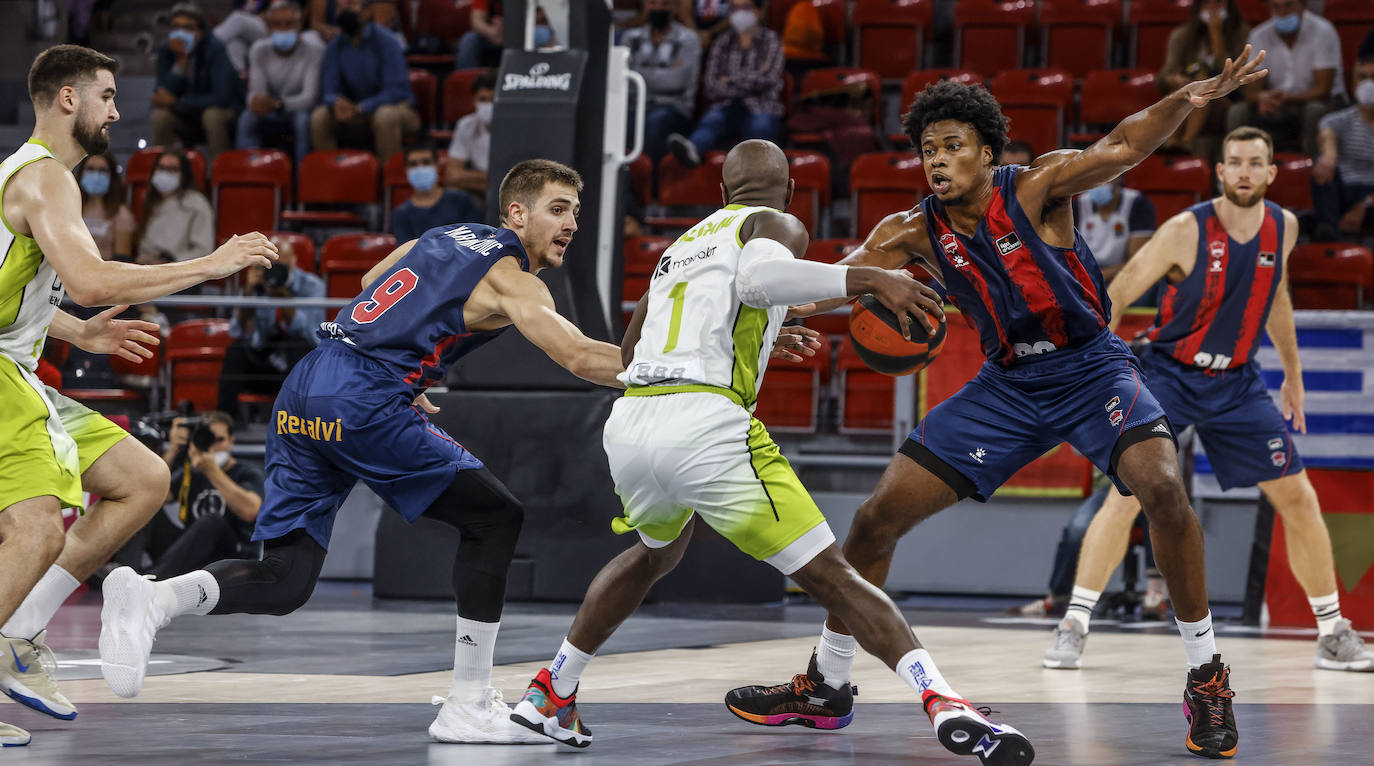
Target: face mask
[(185, 35), (166, 181), (1364, 93), (660, 19), (284, 41), (484, 112), (1207, 15), (542, 36), (221, 457), (743, 20), (423, 177), (1287, 25), (97, 182), (349, 22), (1101, 195)]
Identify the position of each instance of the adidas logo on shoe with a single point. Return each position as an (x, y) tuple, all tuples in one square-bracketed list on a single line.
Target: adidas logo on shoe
[(466, 639)]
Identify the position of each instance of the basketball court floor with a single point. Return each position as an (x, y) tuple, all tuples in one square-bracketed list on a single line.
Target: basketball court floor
[(348, 680)]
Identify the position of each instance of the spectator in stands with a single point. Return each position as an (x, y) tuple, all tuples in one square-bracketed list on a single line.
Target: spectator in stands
[(668, 55), (1115, 222), (431, 204), (1016, 153), (212, 504), (1304, 63), (683, 12), (1343, 175), (481, 45), (269, 341), (177, 222), (198, 90), (102, 207), (470, 148), (283, 82), (803, 40), (240, 29), (320, 20), (366, 87), (743, 86), (1197, 50)]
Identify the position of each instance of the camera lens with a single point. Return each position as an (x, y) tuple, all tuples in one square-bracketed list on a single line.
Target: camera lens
[(203, 438)]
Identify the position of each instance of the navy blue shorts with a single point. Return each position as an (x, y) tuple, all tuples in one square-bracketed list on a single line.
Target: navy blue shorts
[(340, 418), (1004, 418), (1246, 440)]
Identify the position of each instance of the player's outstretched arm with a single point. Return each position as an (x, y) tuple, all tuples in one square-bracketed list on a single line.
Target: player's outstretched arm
[(43, 200), (526, 301), (1065, 173), (633, 330), (1284, 335), (1173, 246)]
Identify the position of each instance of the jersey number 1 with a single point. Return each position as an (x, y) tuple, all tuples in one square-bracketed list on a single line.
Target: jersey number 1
[(385, 296), (679, 296)]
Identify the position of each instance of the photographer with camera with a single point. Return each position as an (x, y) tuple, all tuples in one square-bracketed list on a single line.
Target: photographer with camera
[(268, 342), (213, 502)]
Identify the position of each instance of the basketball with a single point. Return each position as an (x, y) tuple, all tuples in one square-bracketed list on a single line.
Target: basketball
[(877, 338)]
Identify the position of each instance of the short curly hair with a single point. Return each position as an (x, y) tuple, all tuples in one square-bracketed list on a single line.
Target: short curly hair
[(949, 100)]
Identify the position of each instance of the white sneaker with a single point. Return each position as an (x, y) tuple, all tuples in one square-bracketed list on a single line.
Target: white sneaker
[(1343, 650), (1066, 653), (486, 721), (129, 622), (13, 736), (29, 676)]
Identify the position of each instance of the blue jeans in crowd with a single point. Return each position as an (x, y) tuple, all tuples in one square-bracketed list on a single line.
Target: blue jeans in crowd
[(659, 123), (734, 120), (253, 129)]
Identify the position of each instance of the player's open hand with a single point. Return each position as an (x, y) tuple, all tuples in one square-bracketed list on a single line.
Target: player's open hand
[(1233, 75), (242, 251), (1291, 396), (795, 342), (127, 339), (902, 294)]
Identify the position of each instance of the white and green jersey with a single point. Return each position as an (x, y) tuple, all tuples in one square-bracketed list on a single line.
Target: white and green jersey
[(29, 287), (696, 330)]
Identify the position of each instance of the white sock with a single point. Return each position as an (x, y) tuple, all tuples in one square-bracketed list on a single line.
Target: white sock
[(1081, 605), (41, 604), (919, 671), (1327, 610), (835, 657), (1199, 640), (473, 648), (566, 668), (192, 593)]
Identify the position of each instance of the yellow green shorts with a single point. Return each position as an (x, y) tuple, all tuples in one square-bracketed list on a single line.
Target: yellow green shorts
[(675, 454), (46, 440)]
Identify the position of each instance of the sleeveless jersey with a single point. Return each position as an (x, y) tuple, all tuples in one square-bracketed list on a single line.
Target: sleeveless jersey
[(1023, 296), (30, 290), (1213, 318), (411, 318), (697, 331)]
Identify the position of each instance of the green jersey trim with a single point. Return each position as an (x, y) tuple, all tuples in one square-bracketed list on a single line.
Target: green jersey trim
[(689, 388), (750, 325)]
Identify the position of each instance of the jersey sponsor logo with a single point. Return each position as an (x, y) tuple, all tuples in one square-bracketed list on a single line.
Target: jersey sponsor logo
[(1211, 361), (1278, 458), (655, 372), (1217, 251), (667, 264), (538, 79), (1111, 405), (1276, 443), (978, 454), (469, 239), (1034, 349), (950, 244), (333, 330), (55, 297), (1266, 260), (317, 429), (1116, 417), (1008, 243)]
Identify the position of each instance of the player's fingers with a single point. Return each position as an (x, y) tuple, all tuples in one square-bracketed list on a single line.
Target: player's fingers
[(807, 332), (137, 349), (143, 337), (111, 312), (258, 260), (1300, 420), (904, 321), (915, 309), (932, 301)]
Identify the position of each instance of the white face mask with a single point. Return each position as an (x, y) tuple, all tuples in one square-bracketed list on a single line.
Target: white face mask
[(743, 20), (166, 181), (484, 112), (1206, 15), (221, 457), (1364, 93)]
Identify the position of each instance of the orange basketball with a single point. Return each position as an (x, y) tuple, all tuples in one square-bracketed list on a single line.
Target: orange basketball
[(878, 339)]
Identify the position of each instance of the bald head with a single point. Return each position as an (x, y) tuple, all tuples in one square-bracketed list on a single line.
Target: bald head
[(756, 172)]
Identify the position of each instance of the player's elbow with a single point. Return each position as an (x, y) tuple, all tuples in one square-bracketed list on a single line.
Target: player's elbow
[(89, 292)]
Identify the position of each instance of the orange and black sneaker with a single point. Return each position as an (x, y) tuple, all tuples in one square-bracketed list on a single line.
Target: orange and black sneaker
[(1207, 706), (544, 712), (806, 700), (965, 730)]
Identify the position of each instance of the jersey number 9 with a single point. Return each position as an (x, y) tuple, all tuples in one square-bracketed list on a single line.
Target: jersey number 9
[(385, 296)]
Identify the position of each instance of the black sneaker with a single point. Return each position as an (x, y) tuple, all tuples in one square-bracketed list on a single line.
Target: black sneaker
[(1207, 705), (684, 150), (806, 701)]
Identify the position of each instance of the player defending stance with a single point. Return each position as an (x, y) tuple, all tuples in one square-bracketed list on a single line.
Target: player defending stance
[(1002, 241), (51, 447), (1224, 260), (345, 414), (682, 442)]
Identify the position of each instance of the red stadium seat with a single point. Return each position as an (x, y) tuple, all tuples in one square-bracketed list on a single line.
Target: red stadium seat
[(641, 258), (1254, 12), (889, 35), (881, 183), (865, 395), (830, 251), (811, 173), (423, 85), (1292, 187), (789, 401), (1151, 23), (693, 188), (1171, 183), (1331, 275), (642, 178), (1035, 102), (139, 172), (195, 354), (341, 177), (447, 20), (458, 102), (832, 13), (138, 382), (250, 189), (832, 78), (347, 257), (1109, 96), (1353, 20), (303, 246), (1076, 35), (990, 35)]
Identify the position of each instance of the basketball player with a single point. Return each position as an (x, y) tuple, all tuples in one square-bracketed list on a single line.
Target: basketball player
[(1002, 241), (683, 443), (1224, 260), (51, 447)]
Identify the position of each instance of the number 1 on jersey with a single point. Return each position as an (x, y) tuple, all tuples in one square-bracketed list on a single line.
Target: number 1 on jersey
[(679, 296)]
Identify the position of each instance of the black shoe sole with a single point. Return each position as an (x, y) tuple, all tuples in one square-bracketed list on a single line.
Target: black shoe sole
[(537, 728), (965, 736)]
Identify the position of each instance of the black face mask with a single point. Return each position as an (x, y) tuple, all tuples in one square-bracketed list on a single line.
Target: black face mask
[(660, 19), (349, 22)]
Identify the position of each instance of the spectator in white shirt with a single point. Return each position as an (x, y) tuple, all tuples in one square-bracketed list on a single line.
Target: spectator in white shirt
[(468, 151), (283, 81)]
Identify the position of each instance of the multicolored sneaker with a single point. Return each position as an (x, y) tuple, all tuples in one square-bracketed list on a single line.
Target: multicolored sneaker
[(28, 675), (1343, 649), (806, 700), (13, 736), (1207, 706), (546, 713), (963, 730)]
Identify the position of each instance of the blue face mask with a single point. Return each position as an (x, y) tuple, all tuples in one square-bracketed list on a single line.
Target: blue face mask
[(1100, 195), (95, 182), (1287, 25), (423, 177), (542, 36), (184, 35), (284, 41)]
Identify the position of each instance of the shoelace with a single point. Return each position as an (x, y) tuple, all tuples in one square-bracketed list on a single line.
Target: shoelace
[(46, 659), (1348, 643), (1067, 639), (1214, 692), (800, 683)]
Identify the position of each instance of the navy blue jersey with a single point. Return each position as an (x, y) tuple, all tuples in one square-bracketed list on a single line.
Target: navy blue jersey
[(1024, 296), (1213, 318), (410, 320)]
